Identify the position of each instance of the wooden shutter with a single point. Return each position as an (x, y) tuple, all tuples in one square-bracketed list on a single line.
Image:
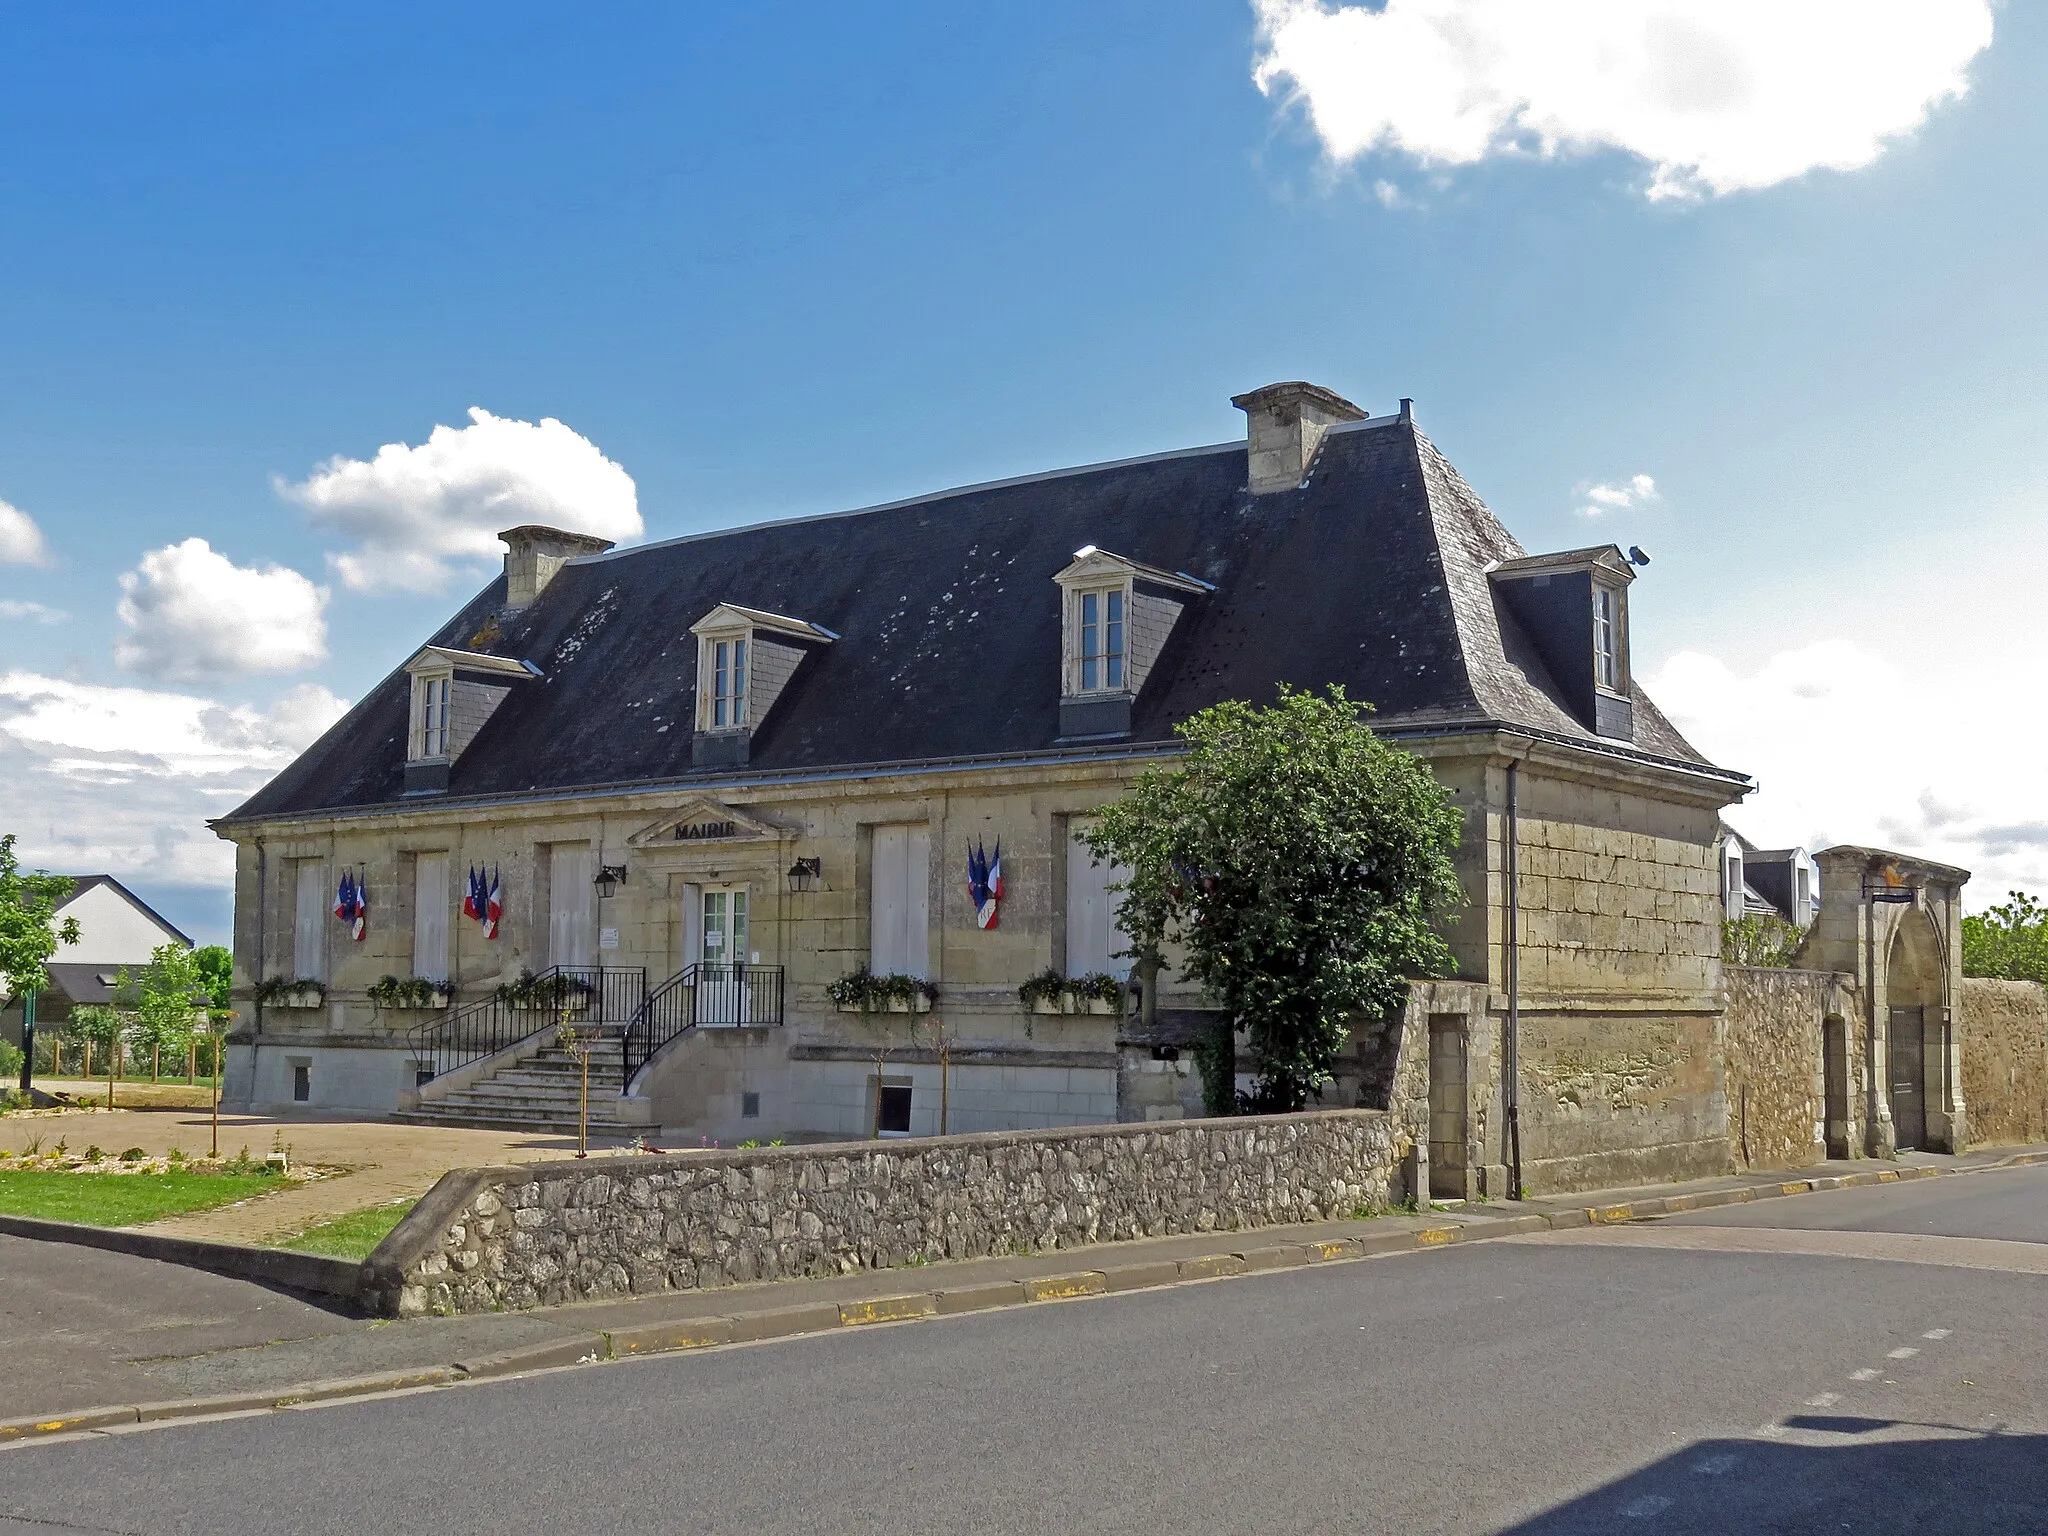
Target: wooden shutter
[(899, 907), (309, 920), (1092, 935), (570, 898), (430, 916)]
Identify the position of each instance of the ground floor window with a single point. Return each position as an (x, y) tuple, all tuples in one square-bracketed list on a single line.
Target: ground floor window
[(892, 1106)]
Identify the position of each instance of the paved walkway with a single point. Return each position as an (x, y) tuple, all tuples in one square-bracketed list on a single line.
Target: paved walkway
[(386, 1162)]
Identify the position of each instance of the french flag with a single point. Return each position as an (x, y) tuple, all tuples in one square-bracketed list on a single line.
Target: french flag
[(494, 905), (985, 883), (352, 905)]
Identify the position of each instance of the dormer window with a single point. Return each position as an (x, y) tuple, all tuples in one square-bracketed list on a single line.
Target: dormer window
[(1572, 611), (433, 715), (454, 693), (728, 683), (1116, 617), (1102, 640), (745, 658), (1606, 645)]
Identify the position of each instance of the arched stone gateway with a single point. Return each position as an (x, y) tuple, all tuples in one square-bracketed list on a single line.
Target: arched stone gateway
[(1894, 923)]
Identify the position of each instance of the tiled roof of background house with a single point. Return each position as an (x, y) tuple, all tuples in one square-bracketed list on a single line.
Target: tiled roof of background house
[(1372, 575)]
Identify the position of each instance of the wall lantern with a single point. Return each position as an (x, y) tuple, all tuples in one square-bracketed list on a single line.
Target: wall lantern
[(806, 875), (609, 878)]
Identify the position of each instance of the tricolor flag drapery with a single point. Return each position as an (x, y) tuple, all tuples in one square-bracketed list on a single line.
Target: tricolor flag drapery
[(483, 900), (352, 904), (985, 883)]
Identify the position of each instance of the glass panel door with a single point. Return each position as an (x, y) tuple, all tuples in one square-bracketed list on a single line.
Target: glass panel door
[(723, 994)]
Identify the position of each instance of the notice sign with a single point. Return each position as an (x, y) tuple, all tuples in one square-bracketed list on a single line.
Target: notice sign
[(607, 938)]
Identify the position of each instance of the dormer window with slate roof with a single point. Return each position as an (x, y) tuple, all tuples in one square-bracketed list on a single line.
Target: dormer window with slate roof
[(745, 658), (1117, 615), (1574, 608), (453, 693)]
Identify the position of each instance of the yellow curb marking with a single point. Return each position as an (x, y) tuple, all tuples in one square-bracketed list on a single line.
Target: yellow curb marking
[(1059, 1287), (1434, 1237), (1795, 1187), (674, 1341), (1330, 1250), (1888, 1177), (886, 1309)]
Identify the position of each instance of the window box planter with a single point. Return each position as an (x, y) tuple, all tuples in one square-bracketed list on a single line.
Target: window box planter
[(411, 993), (279, 993), (862, 991), (1099, 993)]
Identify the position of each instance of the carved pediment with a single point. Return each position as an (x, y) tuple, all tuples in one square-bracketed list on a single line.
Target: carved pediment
[(704, 820)]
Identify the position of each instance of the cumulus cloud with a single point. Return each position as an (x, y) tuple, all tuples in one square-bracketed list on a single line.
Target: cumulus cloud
[(11, 608), (122, 780), (1715, 97), (21, 541), (1850, 746), (194, 614), (417, 512), (1636, 491)]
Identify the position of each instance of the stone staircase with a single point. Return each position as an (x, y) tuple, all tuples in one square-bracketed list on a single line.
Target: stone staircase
[(540, 1093)]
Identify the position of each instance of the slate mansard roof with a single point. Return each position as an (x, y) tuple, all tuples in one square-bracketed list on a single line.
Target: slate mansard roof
[(1372, 574)]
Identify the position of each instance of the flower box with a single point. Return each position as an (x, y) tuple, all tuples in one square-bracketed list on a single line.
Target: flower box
[(890, 1005), (300, 997), (1068, 1003)]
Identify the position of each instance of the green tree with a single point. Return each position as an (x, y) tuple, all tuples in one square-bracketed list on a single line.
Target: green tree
[(2008, 943), (1300, 864), (1760, 939), (166, 998), (29, 932), (216, 975)]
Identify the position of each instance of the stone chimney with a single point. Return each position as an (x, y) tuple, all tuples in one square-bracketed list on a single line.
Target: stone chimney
[(532, 556), (1287, 423)]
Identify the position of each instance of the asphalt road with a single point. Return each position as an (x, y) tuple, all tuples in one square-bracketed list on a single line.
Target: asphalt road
[(1661, 1377)]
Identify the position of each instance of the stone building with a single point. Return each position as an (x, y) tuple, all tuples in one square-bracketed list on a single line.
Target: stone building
[(709, 778)]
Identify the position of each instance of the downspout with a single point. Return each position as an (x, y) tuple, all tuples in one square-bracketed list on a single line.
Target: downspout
[(1511, 1046), (256, 997)]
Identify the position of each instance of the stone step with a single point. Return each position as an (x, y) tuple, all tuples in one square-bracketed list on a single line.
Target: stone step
[(600, 1130)]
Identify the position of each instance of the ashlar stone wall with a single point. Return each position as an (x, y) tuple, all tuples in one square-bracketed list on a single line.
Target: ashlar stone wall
[(2004, 1027), (492, 1238)]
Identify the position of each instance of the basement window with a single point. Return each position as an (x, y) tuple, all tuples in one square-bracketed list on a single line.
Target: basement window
[(750, 1106), (892, 1107), (302, 1082)]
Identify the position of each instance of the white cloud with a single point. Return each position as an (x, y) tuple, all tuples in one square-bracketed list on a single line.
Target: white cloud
[(121, 780), (1851, 747), (1717, 95), (1636, 491), (11, 608), (21, 541), (194, 614), (416, 512)]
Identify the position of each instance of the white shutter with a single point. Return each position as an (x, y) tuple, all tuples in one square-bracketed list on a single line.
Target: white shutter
[(1092, 935), (899, 906), (917, 886), (430, 916), (570, 897), (885, 900), (309, 920), (693, 924)]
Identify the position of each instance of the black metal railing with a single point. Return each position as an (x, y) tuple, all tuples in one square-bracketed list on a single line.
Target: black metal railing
[(701, 996), (561, 994)]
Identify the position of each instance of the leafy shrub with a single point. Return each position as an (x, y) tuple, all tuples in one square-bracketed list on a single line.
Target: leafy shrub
[(278, 988), (1049, 986), (1758, 939), (404, 992), (92, 1154), (2008, 943), (10, 1059), (134, 1155)]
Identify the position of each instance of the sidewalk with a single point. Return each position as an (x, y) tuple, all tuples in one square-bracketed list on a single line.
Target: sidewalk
[(299, 1353)]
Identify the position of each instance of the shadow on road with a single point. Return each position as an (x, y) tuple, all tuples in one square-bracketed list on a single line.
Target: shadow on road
[(1863, 1475)]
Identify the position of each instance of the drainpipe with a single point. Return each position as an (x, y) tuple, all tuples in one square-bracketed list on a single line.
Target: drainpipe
[(1511, 1047)]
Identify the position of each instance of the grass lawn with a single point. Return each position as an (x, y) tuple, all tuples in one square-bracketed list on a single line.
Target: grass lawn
[(353, 1236), (123, 1199)]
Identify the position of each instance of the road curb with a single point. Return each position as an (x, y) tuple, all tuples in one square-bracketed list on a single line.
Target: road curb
[(700, 1333)]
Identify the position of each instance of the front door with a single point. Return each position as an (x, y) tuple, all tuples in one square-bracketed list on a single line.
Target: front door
[(722, 991), (1906, 1048)]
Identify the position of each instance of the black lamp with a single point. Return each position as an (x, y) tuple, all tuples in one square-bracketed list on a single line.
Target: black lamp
[(806, 875), (609, 878)]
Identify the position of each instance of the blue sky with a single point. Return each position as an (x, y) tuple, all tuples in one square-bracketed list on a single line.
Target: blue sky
[(790, 259)]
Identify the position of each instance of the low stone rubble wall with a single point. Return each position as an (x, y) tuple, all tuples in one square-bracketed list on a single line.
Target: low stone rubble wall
[(2004, 1039), (491, 1238), (1776, 1094)]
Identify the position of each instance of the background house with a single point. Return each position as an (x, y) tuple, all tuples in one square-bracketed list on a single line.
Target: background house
[(116, 928)]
